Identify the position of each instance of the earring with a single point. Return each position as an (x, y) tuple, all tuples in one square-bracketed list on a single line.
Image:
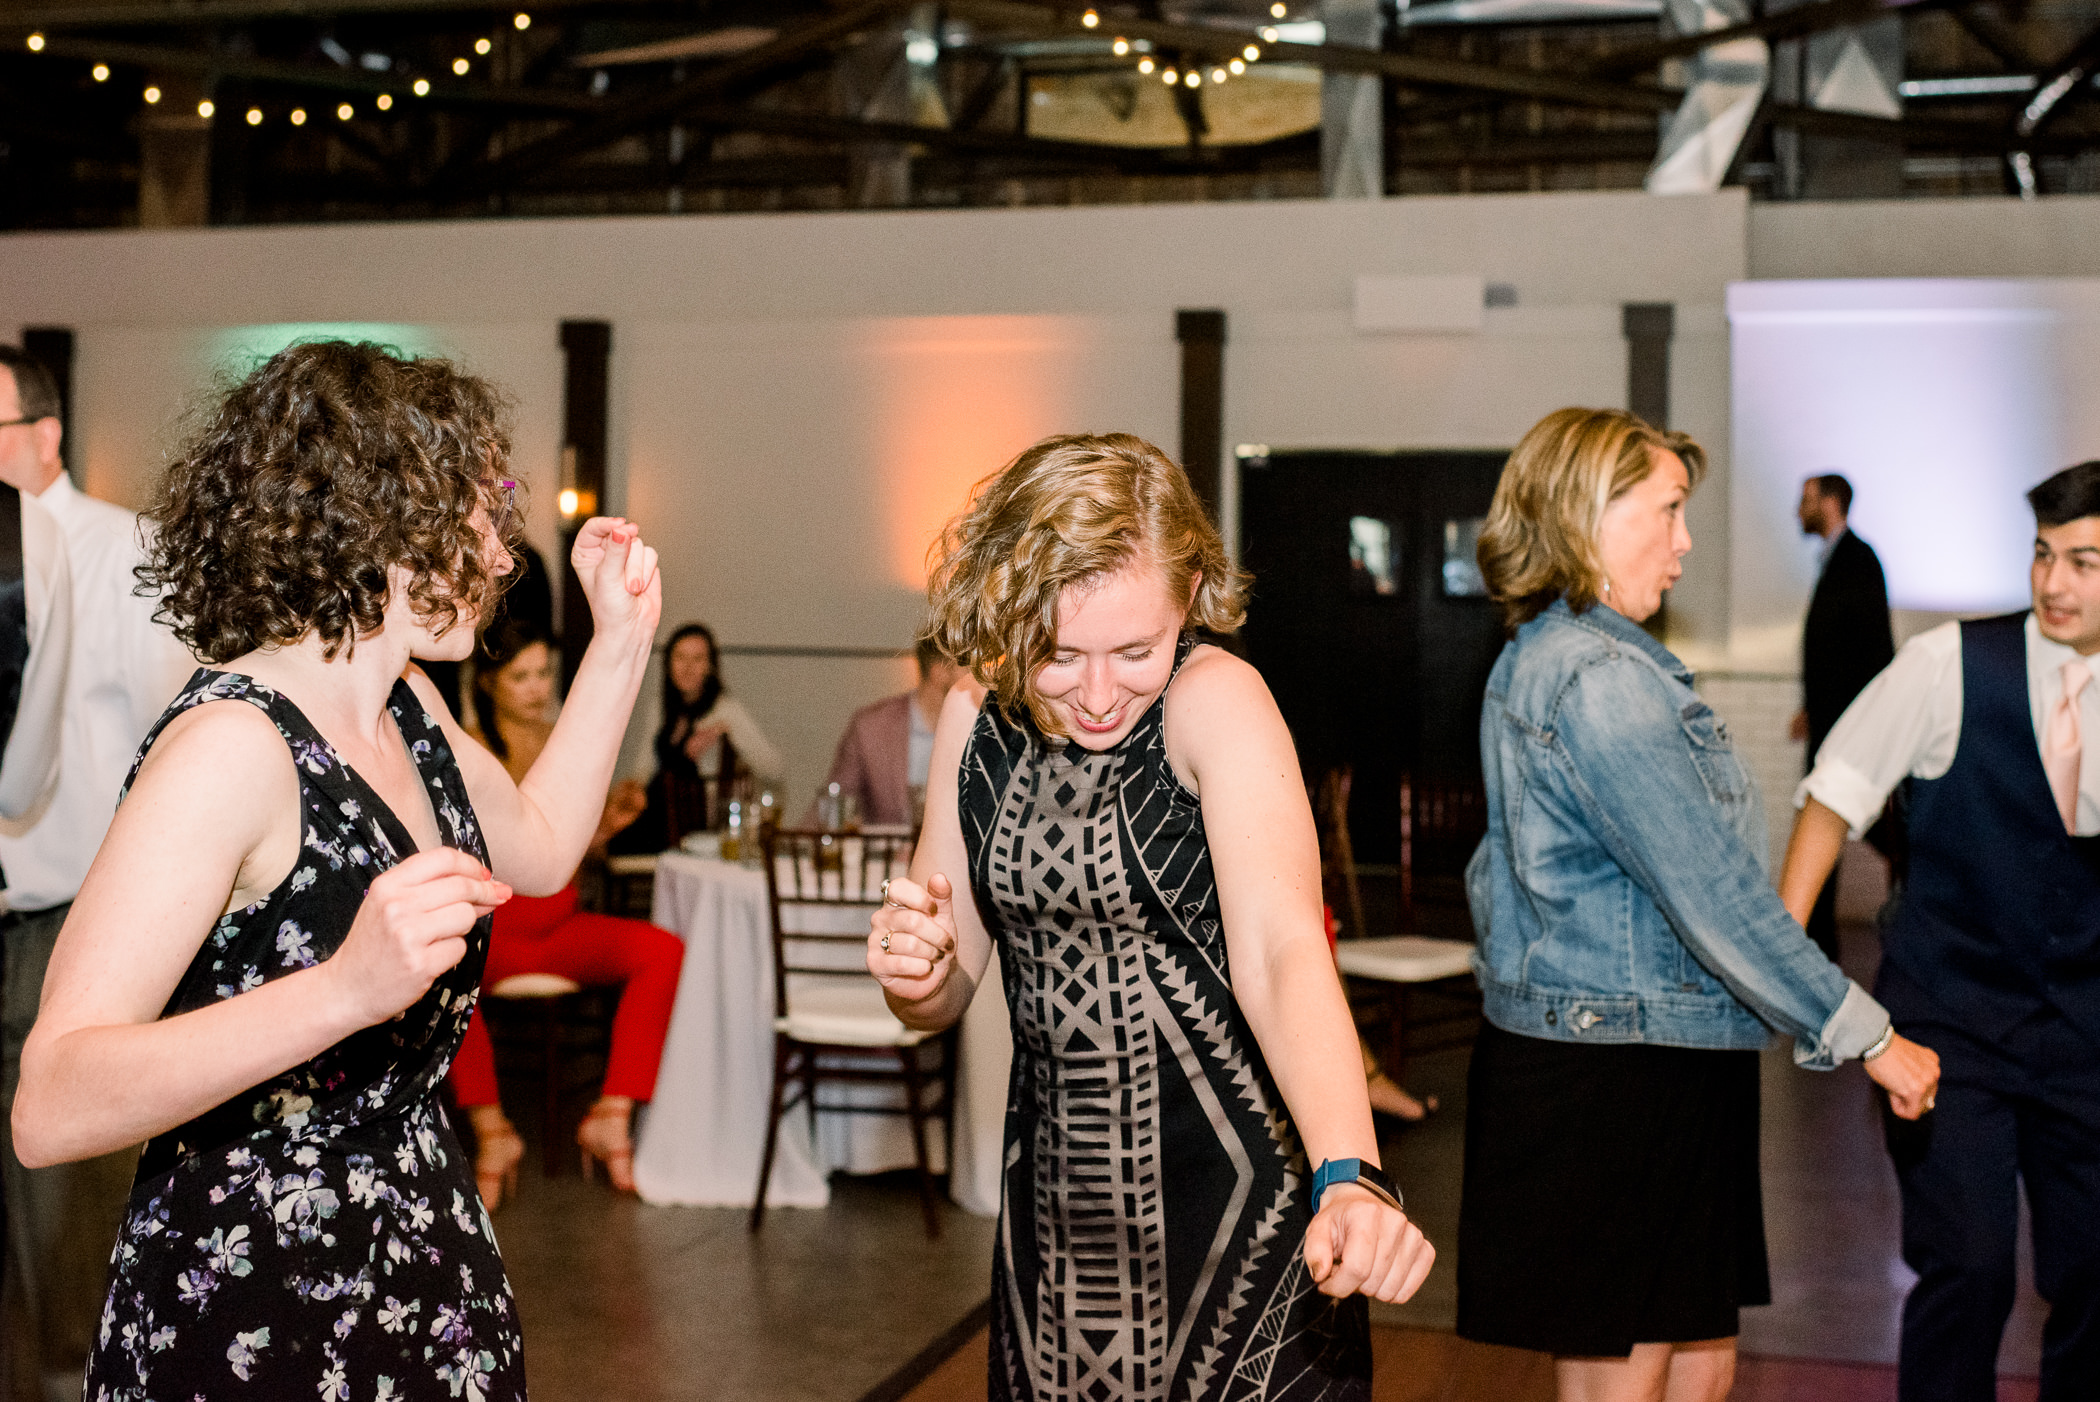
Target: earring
[(1607, 588)]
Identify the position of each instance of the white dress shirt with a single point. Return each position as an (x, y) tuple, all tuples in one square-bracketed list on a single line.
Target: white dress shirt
[(29, 768), (1907, 723), (125, 670), (918, 753)]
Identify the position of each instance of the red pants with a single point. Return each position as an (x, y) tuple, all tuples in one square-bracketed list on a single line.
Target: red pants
[(547, 935)]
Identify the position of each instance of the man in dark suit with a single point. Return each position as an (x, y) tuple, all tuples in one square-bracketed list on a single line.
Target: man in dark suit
[(1844, 644)]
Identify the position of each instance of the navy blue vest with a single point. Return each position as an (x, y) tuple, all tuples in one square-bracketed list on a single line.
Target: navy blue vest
[(2001, 916)]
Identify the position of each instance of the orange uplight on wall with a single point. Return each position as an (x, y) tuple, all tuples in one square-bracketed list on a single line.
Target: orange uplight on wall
[(954, 399)]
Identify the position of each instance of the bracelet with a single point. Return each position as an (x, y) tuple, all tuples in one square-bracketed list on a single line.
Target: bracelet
[(1881, 1043)]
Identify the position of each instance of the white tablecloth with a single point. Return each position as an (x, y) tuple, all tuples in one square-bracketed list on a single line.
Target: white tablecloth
[(706, 1125)]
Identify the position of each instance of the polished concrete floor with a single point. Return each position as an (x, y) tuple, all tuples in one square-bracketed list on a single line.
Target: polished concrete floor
[(629, 1301)]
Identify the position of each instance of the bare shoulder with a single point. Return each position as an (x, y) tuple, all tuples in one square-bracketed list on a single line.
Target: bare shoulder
[(220, 747), (425, 690), (1215, 684), (964, 700)]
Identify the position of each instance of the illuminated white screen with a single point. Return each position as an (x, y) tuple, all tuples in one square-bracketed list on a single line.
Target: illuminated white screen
[(1942, 401)]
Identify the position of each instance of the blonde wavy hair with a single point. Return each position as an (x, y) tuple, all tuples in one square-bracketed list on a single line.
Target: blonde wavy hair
[(1540, 541), (1068, 511)]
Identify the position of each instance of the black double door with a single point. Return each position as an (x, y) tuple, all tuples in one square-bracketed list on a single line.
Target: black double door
[(1367, 618)]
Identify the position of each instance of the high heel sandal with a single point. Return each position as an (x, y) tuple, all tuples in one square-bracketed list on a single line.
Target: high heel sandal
[(497, 1153), (604, 1138)]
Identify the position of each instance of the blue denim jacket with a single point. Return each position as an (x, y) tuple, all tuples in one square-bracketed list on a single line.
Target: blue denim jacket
[(1621, 894)]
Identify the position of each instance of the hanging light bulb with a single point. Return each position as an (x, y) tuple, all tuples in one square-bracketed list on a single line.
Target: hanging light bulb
[(482, 46), (1217, 75), (100, 72), (205, 108), (1251, 52), (1269, 33), (1090, 19), (345, 112), (385, 102), (521, 20), (1169, 77), (255, 116), (1193, 78), (1238, 66), (298, 116), (1279, 10), (460, 66), (1122, 46), (36, 43), (421, 87), (152, 95), (1146, 65)]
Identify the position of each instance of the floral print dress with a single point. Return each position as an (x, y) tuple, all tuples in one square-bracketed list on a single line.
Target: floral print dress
[(318, 1236)]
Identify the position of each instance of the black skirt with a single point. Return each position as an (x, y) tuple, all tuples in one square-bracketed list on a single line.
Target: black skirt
[(1611, 1196)]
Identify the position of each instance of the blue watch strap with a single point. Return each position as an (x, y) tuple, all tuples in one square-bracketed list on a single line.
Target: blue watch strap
[(1335, 1171)]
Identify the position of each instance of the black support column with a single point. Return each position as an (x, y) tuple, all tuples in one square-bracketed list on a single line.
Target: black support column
[(53, 345), (1649, 326), (587, 359), (1202, 337)]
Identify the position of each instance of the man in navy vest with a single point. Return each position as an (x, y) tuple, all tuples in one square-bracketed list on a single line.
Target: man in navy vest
[(1993, 956)]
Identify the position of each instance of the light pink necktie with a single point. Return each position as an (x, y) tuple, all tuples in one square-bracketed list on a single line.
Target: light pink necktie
[(2062, 748)]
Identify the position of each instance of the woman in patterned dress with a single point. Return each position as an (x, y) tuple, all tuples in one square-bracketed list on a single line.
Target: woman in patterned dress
[(1126, 821), (276, 952)]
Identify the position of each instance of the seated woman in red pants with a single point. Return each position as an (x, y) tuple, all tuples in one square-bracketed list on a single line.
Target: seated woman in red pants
[(513, 693)]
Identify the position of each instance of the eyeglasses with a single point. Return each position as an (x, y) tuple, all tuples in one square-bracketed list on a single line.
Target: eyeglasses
[(508, 511)]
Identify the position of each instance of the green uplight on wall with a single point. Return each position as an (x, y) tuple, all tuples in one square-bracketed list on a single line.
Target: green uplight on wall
[(239, 349)]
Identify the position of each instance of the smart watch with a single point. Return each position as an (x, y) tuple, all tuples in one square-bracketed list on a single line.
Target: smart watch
[(1365, 1175)]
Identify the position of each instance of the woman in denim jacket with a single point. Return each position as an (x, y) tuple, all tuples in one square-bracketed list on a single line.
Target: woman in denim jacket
[(1633, 954)]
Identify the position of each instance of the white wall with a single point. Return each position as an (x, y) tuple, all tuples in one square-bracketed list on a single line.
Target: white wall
[(800, 400)]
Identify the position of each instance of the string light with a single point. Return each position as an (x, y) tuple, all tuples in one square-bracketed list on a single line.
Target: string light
[(567, 501), (36, 43), (521, 20), (1238, 66), (386, 102), (152, 95), (1146, 65), (1193, 79), (1251, 52), (101, 73), (345, 112), (1090, 19), (1217, 75), (255, 116), (298, 116), (1278, 9), (1269, 34), (1122, 46), (482, 46), (205, 109), (422, 87), (460, 66), (1169, 77)]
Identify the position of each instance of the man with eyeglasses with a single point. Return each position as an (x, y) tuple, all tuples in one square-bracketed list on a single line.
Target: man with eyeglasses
[(123, 668)]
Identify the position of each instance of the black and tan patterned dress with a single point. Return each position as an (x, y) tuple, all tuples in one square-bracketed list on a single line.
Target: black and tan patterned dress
[(1155, 1196), (319, 1235)]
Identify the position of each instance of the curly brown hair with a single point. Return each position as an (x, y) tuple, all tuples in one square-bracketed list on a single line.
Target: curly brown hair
[(1068, 510), (305, 482)]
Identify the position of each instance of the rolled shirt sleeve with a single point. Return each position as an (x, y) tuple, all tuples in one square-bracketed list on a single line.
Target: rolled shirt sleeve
[(1631, 762), (1906, 723)]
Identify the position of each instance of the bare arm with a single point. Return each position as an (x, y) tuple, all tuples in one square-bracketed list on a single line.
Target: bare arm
[(1225, 733), (215, 810), (938, 945), (1811, 855), (537, 830)]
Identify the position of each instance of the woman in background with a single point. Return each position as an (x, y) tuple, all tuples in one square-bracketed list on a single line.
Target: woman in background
[(704, 738), (1633, 955), (513, 702)]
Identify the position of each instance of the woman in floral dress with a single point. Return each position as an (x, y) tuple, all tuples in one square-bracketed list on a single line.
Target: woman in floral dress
[(276, 952)]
